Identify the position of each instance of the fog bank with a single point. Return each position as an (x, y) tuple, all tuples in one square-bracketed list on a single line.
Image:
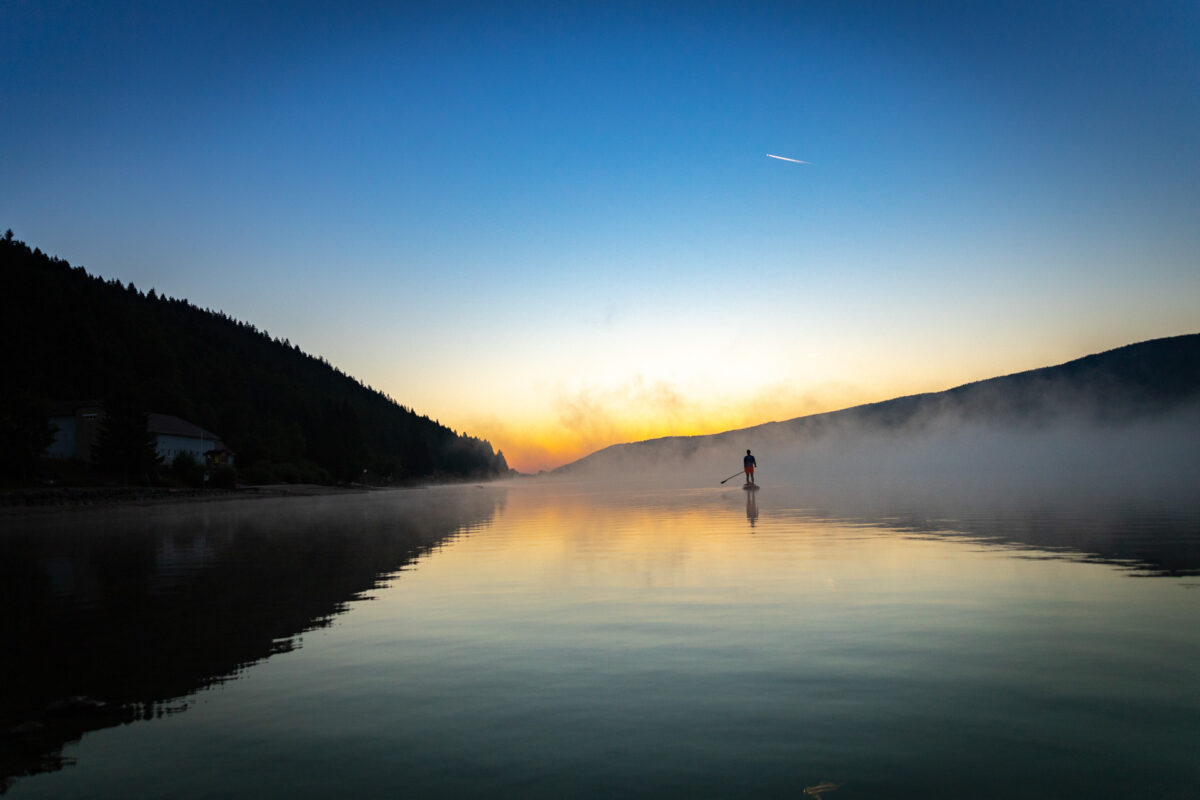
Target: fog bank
[(1124, 423), (1149, 458)]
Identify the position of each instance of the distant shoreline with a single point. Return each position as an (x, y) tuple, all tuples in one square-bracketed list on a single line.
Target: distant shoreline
[(73, 498)]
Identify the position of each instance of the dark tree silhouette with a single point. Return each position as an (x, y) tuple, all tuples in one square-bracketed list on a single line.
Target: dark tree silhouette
[(25, 431), (285, 413), (124, 446)]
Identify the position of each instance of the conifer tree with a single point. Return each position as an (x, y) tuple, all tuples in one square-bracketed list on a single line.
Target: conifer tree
[(124, 446), (25, 431)]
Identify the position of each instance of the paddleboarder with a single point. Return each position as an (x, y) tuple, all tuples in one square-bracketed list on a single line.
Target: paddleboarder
[(748, 464)]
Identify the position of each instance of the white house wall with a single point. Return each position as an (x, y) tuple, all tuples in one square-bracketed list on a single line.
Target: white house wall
[(168, 447), (64, 443)]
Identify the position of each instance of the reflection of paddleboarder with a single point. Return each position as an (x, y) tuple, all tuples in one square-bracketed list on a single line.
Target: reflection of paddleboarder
[(748, 464)]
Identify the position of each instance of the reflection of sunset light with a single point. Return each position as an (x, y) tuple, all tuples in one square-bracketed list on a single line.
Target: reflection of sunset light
[(602, 542)]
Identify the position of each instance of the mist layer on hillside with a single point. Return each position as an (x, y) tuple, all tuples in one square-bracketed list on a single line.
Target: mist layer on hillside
[(1120, 425), (1151, 458)]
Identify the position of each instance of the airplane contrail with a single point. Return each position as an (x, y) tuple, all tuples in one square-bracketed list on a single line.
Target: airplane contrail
[(793, 160)]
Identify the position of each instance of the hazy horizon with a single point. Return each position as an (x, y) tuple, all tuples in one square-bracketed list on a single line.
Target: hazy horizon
[(560, 228)]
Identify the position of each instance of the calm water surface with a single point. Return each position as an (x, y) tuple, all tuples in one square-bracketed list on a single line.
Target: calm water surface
[(533, 641)]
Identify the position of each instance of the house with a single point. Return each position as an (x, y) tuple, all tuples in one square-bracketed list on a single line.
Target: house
[(78, 426), (173, 436)]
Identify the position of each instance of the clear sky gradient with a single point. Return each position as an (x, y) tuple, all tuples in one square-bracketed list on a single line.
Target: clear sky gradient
[(556, 226)]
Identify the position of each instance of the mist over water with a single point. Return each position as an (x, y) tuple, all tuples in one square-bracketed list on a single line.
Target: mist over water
[(950, 458)]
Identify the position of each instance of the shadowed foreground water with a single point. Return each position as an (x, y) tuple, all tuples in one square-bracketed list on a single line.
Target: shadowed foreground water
[(536, 641)]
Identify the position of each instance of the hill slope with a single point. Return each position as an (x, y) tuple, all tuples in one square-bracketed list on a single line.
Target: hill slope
[(72, 337), (1106, 391)]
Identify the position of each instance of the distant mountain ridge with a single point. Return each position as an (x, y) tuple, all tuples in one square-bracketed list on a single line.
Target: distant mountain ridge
[(288, 415), (1116, 386)]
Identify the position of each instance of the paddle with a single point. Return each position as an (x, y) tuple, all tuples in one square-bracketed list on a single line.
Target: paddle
[(734, 475)]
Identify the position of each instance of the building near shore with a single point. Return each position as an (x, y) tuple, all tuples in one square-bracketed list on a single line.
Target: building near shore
[(78, 426), (173, 436)]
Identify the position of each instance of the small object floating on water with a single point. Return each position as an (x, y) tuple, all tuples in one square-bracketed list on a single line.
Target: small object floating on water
[(750, 487)]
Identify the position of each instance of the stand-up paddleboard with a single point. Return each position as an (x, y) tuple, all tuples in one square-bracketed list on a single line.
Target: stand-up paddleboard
[(750, 487)]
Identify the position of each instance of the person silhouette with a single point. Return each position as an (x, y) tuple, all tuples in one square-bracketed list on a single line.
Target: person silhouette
[(748, 464)]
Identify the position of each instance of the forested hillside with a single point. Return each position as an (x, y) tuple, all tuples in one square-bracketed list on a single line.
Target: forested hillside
[(70, 336)]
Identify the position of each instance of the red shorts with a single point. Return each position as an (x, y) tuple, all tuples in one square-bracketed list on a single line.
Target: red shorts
[(749, 470)]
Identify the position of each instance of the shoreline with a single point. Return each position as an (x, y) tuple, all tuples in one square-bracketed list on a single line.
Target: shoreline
[(76, 497)]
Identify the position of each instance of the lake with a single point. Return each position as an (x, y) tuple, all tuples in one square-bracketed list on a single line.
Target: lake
[(561, 640)]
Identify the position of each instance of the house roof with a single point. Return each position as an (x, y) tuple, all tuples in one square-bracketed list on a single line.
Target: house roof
[(168, 425), (69, 409), (159, 424)]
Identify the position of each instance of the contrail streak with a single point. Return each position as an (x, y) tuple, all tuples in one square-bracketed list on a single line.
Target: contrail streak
[(793, 160)]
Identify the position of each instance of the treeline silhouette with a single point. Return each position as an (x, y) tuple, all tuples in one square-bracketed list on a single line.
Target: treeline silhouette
[(286, 414)]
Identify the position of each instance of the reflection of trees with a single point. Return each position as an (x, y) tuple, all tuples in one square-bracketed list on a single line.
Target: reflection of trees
[(1147, 541), (135, 609), (1151, 539)]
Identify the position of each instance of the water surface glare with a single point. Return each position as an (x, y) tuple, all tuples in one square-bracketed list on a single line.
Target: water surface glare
[(534, 641)]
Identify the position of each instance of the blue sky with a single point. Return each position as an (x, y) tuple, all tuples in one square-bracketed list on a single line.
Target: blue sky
[(555, 225)]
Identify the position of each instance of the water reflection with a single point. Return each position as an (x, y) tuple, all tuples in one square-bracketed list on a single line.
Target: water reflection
[(1149, 539), (113, 616), (595, 643)]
